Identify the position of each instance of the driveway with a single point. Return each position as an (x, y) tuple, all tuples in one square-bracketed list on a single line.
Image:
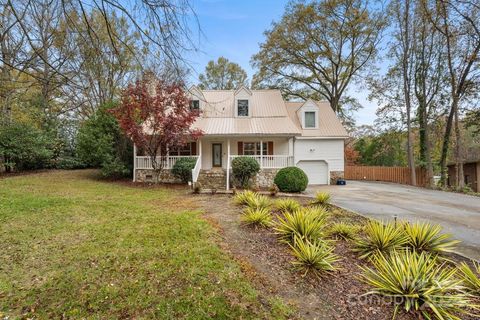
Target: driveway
[(458, 214)]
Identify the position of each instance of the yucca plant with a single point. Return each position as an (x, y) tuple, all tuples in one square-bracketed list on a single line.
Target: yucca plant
[(303, 223), (471, 278), (287, 205), (321, 199), (344, 231), (423, 236), (417, 283), (380, 238), (245, 197), (316, 257), (257, 216), (259, 202)]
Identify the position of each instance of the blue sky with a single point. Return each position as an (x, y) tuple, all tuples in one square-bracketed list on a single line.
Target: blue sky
[(234, 29)]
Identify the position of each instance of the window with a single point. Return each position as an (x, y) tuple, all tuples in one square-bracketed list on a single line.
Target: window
[(195, 105), (310, 119), (185, 150), (253, 148), (242, 108)]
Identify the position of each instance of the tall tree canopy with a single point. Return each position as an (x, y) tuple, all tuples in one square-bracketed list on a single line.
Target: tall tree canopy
[(317, 49), (222, 75)]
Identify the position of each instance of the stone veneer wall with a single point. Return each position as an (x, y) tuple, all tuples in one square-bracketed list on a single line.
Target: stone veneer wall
[(335, 175), (264, 179), (166, 176)]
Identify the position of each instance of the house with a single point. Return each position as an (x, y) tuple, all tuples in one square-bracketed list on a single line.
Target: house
[(471, 173), (262, 125)]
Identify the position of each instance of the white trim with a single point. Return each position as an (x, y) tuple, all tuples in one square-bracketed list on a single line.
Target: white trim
[(228, 165), (323, 138), (315, 117), (134, 162)]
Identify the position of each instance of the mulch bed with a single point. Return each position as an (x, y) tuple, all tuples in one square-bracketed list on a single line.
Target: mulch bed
[(336, 296)]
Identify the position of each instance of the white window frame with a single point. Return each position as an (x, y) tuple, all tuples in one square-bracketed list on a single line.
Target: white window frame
[(256, 148), (315, 112), (236, 108)]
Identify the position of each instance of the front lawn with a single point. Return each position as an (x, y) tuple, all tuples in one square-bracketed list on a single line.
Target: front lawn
[(72, 246)]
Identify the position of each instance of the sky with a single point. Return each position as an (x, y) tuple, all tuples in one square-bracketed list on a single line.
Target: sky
[(234, 29)]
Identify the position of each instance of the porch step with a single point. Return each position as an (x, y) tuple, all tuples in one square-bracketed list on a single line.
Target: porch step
[(212, 179)]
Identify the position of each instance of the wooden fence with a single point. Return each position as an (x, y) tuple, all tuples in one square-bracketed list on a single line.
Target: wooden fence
[(388, 174)]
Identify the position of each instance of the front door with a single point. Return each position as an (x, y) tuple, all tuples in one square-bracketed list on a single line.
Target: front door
[(216, 154)]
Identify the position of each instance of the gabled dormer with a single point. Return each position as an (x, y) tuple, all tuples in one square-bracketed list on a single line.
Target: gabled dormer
[(197, 100), (308, 114), (243, 105)]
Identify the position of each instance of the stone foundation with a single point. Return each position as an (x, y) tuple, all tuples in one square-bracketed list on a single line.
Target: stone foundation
[(146, 175), (212, 179), (264, 179), (335, 175)]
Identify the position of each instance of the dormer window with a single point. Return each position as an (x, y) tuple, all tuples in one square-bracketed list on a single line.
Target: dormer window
[(242, 108), (195, 105), (310, 119)]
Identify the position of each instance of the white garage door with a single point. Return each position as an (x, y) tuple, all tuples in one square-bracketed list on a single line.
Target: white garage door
[(317, 171)]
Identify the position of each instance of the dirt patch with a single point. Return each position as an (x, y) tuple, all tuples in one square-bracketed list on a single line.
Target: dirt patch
[(269, 263)]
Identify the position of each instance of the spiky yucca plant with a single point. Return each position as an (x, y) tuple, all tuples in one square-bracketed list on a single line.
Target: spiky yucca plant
[(245, 197), (321, 199), (380, 238), (423, 236), (417, 283), (471, 278), (303, 223), (344, 231), (316, 257), (259, 202), (287, 205), (257, 216)]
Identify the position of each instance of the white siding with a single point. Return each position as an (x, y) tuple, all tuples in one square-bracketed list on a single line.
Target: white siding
[(330, 150)]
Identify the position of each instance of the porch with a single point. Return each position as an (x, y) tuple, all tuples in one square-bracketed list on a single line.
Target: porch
[(214, 156)]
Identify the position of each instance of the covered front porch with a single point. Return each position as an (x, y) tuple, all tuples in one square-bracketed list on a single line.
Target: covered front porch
[(214, 155)]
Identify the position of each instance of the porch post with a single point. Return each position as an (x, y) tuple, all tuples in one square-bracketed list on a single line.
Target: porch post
[(200, 152), (261, 154), (134, 162), (290, 150), (228, 165)]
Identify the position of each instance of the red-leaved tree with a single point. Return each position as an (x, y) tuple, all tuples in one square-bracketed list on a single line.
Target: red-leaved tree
[(157, 117)]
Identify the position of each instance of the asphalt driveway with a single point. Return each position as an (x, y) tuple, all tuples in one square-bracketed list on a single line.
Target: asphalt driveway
[(458, 214)]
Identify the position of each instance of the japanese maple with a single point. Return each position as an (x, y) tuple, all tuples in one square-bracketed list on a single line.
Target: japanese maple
[(157, 117)]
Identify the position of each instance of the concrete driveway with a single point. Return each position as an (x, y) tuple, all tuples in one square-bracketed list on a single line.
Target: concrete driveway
[(458, 214)]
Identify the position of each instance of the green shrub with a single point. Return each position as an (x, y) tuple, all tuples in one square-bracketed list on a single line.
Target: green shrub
[(427, 237), (471, 278), (291, 179), (380, 238), (243, 169), (69, 163), (287, 205), (321, 199), (303, 223), (245, 197), (344, 231), (257, 216), (316, 257), (418, 283), (183, 167), (259, 202), (114, 169)]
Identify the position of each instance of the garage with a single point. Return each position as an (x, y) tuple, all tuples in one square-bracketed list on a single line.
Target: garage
[(316, 170)]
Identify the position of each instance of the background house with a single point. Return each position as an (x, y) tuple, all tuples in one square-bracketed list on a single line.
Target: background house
[(471, 173)]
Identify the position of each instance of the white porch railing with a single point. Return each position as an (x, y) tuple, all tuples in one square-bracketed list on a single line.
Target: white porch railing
[(145, 162), (270, 162), (196, 170)]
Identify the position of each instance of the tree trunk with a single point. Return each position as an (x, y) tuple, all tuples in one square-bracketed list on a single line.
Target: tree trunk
[(460, 183), (445, 147)]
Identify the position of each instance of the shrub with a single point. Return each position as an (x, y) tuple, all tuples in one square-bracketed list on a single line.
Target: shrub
[(259, 202), (321, 199), (287, 205), (417, 283), (380, 238), (257, 216), (243, 169), (303, 223), (427, 237), (471, 278), (316, 257), (183, 167), (70, 163), (245, 197), (115, 169), (291, 179), (344, 231)]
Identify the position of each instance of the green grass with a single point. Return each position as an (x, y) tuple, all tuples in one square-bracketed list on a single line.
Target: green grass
[(75, 247)]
